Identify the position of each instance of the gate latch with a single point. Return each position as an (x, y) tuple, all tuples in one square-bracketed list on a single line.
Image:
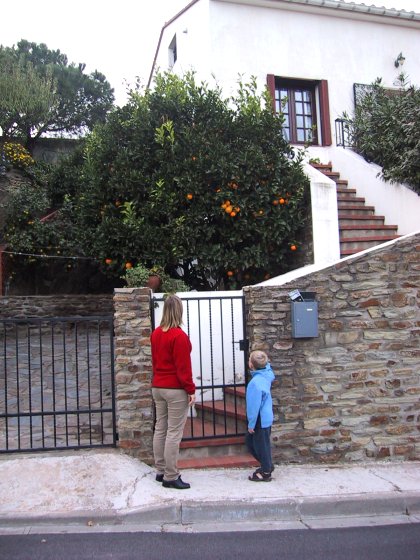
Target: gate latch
[(244, 345)]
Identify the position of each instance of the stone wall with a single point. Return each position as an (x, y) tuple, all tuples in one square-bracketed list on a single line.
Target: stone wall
[(80, 305), (352, 393), (133, 371)]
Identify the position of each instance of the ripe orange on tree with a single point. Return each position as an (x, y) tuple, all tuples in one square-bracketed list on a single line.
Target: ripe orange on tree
[(128, 265), (230, 273), (108, 261), (293, 247), (189, 196)]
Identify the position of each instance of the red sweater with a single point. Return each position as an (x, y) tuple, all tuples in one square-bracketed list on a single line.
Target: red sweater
[(171, 359)]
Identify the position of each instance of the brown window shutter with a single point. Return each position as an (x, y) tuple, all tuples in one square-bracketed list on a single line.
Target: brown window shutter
[(271, 85), (325, 113)]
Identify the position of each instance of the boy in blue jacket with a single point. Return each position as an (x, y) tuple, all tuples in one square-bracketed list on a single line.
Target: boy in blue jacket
[(259, 411)]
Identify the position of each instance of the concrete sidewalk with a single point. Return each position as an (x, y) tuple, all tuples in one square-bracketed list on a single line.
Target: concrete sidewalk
[(107, 490)]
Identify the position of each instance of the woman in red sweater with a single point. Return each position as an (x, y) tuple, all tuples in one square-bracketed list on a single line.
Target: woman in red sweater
[(173, 391)]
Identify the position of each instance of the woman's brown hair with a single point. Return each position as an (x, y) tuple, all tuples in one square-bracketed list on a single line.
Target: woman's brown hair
[(172, 313)]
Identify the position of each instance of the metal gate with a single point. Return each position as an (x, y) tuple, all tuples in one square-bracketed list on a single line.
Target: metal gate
[(56, 383), (215, 323)]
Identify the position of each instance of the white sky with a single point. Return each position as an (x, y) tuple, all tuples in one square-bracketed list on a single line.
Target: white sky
[(117, 38)]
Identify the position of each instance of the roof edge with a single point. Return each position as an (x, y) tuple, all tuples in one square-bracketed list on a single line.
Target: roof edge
[(166, 24), (341, 5)]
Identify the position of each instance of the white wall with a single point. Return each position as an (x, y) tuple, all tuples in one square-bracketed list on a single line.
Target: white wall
[(227, 39), (193, 41), (325, 233)]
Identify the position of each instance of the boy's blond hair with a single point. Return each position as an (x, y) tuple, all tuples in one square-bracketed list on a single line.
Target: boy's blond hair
[(258, 359)]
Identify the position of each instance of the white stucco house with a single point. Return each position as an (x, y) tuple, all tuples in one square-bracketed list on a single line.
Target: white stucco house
[(318, 54)]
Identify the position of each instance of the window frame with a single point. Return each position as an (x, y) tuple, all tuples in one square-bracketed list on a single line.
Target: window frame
[(321, 111), (172, 52), (292, 87)]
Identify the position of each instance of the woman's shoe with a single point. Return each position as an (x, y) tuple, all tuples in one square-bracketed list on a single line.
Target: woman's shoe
[(179, 484)]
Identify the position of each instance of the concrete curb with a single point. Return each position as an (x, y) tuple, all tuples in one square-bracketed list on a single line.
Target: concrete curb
[(293, 509), (190, 513)]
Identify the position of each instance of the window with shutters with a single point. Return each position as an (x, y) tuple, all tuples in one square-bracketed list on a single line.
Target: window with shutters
[(304, 104)]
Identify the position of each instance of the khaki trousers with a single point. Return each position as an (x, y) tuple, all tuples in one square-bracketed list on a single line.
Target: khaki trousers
[(171, 415)]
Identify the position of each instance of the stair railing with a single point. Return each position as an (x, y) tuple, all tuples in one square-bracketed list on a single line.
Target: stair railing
[(342, 133)]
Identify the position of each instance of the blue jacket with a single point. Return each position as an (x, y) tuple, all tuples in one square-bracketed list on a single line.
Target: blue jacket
[(258, 397)]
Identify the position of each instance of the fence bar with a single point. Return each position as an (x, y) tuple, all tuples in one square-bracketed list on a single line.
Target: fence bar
[(57, 384), (215, 325)]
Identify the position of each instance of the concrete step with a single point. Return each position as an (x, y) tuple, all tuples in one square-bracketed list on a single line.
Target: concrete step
[(353, 245), (344, 193), (334, 175), (365, 231), (226, 414), (344, 202), (213, 447), (227, 462), (322, 166), (358, 209), (216, 436), (198, 428), (346, 219), (235, 395)]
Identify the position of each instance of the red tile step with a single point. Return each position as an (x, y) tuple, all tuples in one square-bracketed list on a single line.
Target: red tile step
[(212, 442), (239, 391), (224, 462), (197, 428), (221, 408)]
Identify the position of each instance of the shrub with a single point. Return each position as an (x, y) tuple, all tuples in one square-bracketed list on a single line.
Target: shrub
[(15, 155), (139, 275), (385, 130)]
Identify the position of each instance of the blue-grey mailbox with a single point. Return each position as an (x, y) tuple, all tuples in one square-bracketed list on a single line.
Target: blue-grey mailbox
[(304, 314)]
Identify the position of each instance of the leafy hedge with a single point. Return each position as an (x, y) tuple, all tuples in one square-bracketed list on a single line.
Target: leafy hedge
[(386, 130)]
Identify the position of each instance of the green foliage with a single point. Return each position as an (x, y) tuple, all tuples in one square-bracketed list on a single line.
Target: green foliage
[(41, 93), (203, 187), (14, 155), (140, 274), (385, 130), (66, 180), (25, 96)]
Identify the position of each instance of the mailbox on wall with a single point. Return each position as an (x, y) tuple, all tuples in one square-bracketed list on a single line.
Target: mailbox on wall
[(304, 314)]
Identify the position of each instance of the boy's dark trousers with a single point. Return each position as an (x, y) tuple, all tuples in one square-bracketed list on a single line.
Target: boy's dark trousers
[(259, 445)]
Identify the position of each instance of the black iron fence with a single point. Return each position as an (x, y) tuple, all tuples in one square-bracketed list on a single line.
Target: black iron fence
[(342, 133), (56, 383), (216, 327)]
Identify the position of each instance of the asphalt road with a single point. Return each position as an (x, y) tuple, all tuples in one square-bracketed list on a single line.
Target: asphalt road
[(393, 542)]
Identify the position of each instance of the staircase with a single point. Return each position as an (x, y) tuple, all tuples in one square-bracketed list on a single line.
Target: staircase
[(208, 448), (359, 227)]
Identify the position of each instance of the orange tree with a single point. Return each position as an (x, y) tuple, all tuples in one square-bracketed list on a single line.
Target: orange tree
[(184, 179), (205, 186)]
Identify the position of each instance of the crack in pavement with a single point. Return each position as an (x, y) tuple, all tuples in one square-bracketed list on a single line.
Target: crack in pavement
[(395, 486)]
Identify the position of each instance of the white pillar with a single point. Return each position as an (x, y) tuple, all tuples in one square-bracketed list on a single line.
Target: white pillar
[(326, 240)]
